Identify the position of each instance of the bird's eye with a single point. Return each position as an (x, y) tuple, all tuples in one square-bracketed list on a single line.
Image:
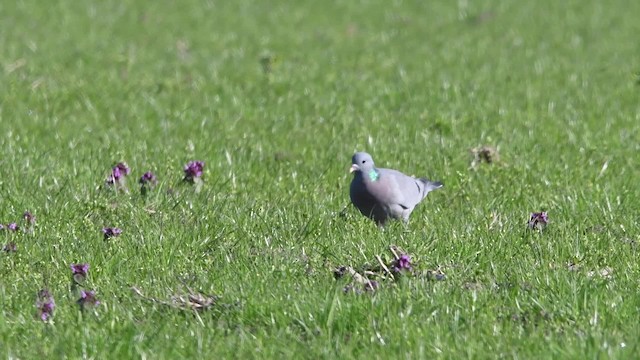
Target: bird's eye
[(363, 161)]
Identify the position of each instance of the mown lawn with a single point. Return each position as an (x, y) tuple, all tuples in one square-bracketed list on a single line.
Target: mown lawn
[(274, 97)]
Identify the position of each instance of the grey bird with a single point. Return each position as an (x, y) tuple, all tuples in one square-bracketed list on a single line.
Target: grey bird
[(383, 194)]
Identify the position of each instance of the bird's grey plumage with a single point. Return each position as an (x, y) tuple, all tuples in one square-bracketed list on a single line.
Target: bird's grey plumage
[(383, 194)]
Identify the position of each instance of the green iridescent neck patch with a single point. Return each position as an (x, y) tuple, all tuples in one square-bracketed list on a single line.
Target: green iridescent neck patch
[(374, 175)]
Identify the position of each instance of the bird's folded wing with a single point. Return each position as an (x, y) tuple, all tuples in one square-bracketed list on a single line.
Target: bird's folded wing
[(396, 188)]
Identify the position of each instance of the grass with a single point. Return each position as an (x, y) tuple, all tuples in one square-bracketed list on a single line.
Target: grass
[(275, 97)]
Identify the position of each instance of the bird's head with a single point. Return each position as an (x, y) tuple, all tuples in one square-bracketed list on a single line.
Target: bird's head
[(361, 162)]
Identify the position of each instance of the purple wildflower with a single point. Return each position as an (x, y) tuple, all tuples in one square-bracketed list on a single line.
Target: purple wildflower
[(401, 263), (118, 173), (13, 227), (88, 298), (114, 177), (111, 232), (82, 269), (538, 220), (79, 272), (10, 247), (123, 168), (29, 217), (45, 304), (148, 178), (46, 309), (1, 227), (193, 170)]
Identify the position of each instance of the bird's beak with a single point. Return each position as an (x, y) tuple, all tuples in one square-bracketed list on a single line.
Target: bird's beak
[(353, 168)]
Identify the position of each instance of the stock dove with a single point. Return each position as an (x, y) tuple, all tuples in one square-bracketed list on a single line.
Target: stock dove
[(383, 194)]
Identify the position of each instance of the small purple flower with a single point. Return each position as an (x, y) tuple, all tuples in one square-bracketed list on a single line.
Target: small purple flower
[(29, 217), (1, 227), (10, 247), (401, 263), (118, 173), (88, 299), (193, 170), (148, 179), (114, 177), (122, 166), (45, 304), (46, 309), (79, 272), (110, 232), (82, 269), (538, 220), (13, 227)]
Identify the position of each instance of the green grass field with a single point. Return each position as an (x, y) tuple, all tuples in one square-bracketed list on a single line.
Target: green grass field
[(275, 97)]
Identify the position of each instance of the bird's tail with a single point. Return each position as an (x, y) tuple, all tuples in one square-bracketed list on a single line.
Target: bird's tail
[(428, 186)]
